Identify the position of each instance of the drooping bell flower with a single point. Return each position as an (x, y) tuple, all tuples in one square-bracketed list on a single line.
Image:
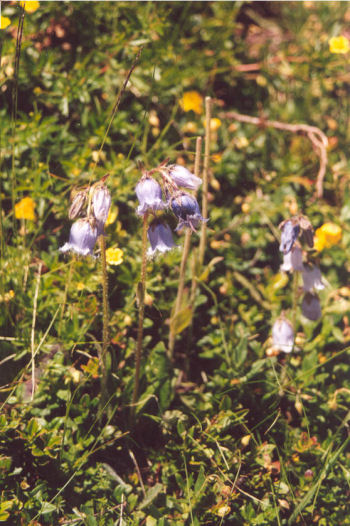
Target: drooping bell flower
[(312, 278), (101, 202), (311, 307), (82, 238), (289, 234), (183, 177), (160, 238), (293, 260), (186, 209), (149, 194), (283, 335)]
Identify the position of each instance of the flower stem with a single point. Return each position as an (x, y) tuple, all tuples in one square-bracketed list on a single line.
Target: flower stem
[(203, 239), (141, 299), (185, 252), (295, 299), (66, 289), (105, 322), (105, 302), (180, 289)]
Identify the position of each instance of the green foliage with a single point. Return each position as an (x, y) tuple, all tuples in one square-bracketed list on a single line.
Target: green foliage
[(229, 433)]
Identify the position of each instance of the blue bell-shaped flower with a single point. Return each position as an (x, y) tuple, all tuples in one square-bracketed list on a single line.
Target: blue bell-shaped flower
[(186, 209), (149, 194), (160, 238), (82, 238)]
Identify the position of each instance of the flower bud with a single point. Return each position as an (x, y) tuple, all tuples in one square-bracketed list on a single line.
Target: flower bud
[(312, 278), (283, 335), (101, 202), (311, 307), (293, 260), (289, 234), (183, 177), (78, 203)]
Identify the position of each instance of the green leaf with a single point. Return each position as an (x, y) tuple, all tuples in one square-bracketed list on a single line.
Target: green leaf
[(151, 495), (181, 320)]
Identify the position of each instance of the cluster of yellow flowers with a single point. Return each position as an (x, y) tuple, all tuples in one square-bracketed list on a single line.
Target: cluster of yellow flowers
[(30, 6), (326, 236)]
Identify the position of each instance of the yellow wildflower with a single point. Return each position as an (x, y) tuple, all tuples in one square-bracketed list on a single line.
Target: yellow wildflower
[(112, 216), (327, 235), (114, 256), (241, 142), (215, 124), (339, 45), (223, 510), (25, 209), (8, 296), (4, 22), (192, 100), (216, 157), (189, 127), (30, 6)]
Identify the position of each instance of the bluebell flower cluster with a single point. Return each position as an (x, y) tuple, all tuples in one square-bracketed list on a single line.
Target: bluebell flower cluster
[(154, 197), (293, 232), (92, 206)]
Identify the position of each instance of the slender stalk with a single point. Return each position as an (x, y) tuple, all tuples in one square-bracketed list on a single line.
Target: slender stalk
[(178, 301), (32, 339), (14, 112), (116, 106), (66, 289), (141, 298), (105, 301), (203, 240), (295, 299), (185, 253), (105, 322)]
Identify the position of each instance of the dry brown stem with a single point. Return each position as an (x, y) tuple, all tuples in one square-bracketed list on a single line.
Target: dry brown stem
[(318, 139)]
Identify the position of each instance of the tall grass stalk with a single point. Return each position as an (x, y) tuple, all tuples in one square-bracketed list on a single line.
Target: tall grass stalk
[(185, 253), (203, 240), (32, 338), (141, 299), (198, 261), (115, 107), (14, 113)]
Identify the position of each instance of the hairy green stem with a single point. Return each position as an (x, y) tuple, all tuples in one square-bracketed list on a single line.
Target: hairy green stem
[(105, 322), (105, 334), (141, 299), (66, 289), (295, 299)]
